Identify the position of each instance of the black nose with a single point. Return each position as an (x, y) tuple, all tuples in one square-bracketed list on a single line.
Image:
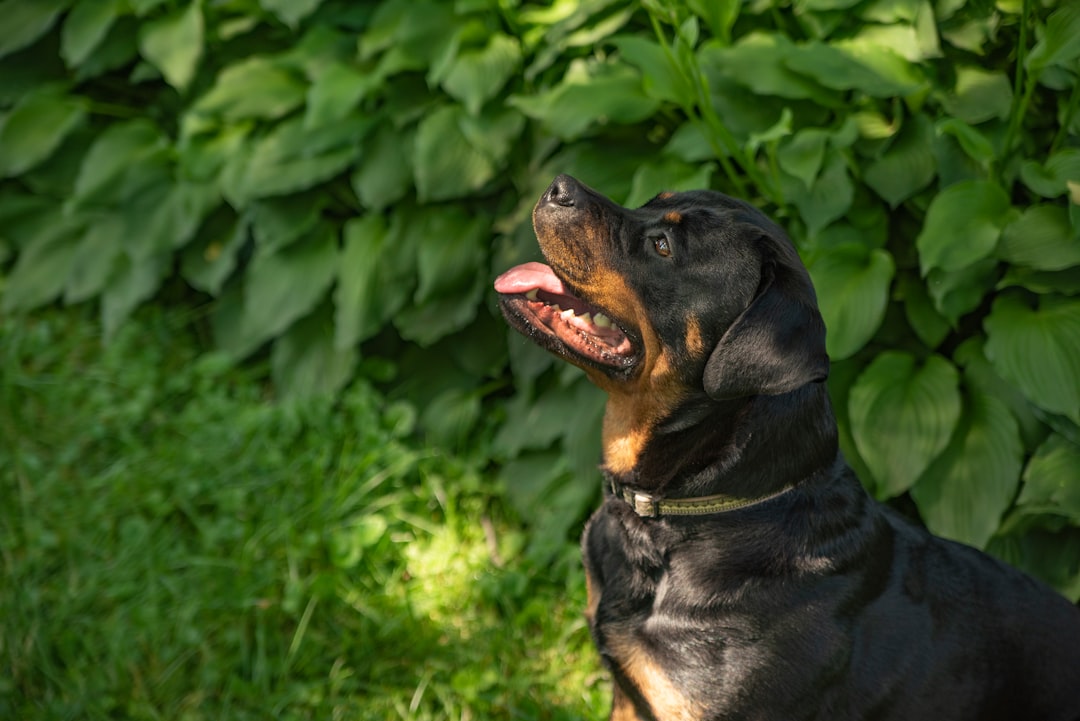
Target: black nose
[(564, 191)]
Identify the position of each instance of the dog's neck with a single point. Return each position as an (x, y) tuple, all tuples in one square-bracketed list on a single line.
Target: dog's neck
[(704, 447)]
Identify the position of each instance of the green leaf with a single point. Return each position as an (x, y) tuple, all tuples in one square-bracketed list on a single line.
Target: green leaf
[(963, 224), (450, 247), (1041, 238), (1038, 350), (477, 76), (956, 293), (385, 175), (281, 287), (452, 159), (131, 283), (719, 15), (35, 128), (292, 158), (27, 20), (95, 257), (85, 27), (802, 154), (359, 308), (590, 94), (974, 143), (921, 314), (43, 266), (278, 222), (117, 153), (1051, 180), (304, 362), (291, 12), (667, 173), (451, 416), (828, 199), (1050, 480), (174, 44), (907, 166), (1060, 43), (661, 77), (965, 492), (256, 87), (979, 95), (336, 92), (434, 319), (759, 61), (902, 417), (852, 282), (855, 65), (210, 259)]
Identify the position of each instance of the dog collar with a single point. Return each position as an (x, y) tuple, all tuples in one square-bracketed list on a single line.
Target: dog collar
[(648, 506)]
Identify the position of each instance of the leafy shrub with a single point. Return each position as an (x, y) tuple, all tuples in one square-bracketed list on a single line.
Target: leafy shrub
[(330, 174)]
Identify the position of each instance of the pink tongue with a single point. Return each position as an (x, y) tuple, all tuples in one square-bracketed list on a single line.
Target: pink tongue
[(529, 276)]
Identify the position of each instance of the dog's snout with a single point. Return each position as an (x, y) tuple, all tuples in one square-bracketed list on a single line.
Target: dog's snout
[(564, 191)]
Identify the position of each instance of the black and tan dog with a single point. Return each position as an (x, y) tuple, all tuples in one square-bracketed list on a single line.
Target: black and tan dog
[(737, 569)]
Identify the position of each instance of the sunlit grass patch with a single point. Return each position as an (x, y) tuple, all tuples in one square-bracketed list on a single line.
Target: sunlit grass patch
[(176, 545)]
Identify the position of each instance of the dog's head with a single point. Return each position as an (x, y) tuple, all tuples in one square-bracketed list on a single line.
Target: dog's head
[(694, 297)]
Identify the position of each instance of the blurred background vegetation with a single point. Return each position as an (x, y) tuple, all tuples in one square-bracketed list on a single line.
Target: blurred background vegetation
[(267, 450)]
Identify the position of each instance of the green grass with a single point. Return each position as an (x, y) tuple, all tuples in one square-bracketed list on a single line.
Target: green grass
[(176, 545)]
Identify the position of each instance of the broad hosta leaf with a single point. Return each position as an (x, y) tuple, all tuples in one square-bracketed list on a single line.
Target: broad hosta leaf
[(209, 260), (975, 144), (1060, 42), (456, 154), (855, 65), (304, 361), (131, 283), (257, 87), (174, 44), (852, 284), (957, 293), (27, 20), (907, 166), (979, 95), (375, 278), (661, 76), (1038, 349), (35, 127), (434, 319), (336, 92), (667, 174), (980, 376), (43, 266), (278, 222), (590, 94), (292, 158), (922, 316), (902, 417), (477, 76), (1041, 238), (965, 492), (118, 152), (284, 286), (450, 247), (759, 61), (803, 154), (386, 173), (1050, 480), (95, 257), (291, 12), (963, 224), (828, 199), (85, 27), (1051, 180)]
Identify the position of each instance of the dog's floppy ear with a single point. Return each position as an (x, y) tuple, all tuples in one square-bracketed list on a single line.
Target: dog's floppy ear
[(776, 345)]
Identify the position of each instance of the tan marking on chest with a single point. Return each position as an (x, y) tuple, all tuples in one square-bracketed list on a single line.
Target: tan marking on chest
[(665, 700)]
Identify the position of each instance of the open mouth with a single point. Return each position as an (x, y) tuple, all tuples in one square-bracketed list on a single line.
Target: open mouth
[(541, 305)]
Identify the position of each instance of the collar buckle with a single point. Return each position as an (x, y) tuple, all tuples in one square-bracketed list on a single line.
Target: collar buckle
[(645, 505)]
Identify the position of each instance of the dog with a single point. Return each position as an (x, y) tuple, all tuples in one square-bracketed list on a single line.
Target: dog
[(737, 569)]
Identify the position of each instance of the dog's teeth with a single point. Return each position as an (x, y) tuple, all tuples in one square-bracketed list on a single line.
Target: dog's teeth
[(557, 307), (602, 320), (587, 317), (567, 314), (531, 295)]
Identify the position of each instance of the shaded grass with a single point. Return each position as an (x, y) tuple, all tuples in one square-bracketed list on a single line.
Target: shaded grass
[(176, 545)]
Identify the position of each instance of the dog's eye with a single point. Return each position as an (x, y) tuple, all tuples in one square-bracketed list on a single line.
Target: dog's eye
[(663, 249)]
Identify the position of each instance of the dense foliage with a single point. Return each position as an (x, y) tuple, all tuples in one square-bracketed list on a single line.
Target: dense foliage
[(341, 180)]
